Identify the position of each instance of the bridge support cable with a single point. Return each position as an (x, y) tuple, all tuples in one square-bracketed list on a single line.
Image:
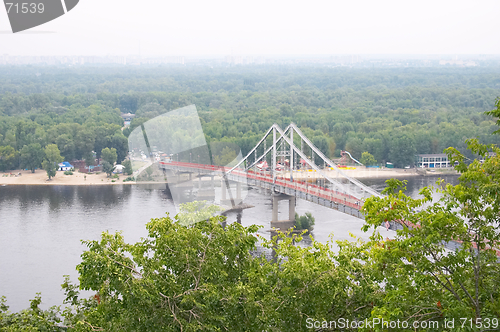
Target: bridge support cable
[(331, 164), (282, 136), (316, 168), (291, 157), (273, 163), (257, 160), (254, 150)]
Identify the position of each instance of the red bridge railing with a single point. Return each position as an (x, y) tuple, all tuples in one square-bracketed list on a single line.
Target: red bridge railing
[(302, 186)]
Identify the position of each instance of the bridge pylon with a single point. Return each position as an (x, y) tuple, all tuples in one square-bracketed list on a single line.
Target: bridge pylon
[(283, 146)]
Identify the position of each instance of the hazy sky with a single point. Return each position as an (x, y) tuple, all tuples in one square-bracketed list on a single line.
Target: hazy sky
[(257, 27)]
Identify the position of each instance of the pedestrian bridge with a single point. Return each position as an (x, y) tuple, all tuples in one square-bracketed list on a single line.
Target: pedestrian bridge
[(335, 190)]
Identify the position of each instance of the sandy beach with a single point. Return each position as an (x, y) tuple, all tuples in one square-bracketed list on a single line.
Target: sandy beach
[(40, 178)]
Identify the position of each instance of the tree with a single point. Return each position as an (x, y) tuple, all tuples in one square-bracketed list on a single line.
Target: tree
[(423, 280), (66, 146), (368, 159), (52, 159), (193, 212), (109, 155), (120, 144), (89, 158), (32, 319), (496, 113), (108, 168), (32, 156), (127, 164), (226, 157), (402, 150), (354, 145), (304, 222), (150, 296), (203, 276), (331, 147), (85, 140), (322, 144), (7, 157)]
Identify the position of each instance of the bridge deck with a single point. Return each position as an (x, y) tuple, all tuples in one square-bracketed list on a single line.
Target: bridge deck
[(300, 189)]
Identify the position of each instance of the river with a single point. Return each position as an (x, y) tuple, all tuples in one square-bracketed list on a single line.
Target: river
[(41, 228)]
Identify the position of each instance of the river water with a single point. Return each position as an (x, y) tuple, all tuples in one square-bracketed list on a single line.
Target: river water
[(41, 228)]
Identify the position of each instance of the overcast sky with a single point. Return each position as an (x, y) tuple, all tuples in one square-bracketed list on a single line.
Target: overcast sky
[(258, 27)]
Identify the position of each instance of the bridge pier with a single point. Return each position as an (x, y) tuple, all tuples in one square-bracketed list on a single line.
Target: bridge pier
[(224, 188), (283, 224)]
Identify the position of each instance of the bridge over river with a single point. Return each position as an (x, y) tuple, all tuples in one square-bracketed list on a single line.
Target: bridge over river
[(332, 187)]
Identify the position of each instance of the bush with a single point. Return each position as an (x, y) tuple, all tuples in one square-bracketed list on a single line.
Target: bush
[(129, 179), (304, 222), (115, 176), (68, 173)]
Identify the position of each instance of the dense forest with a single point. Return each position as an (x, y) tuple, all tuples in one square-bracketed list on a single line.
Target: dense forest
[(391, 113)]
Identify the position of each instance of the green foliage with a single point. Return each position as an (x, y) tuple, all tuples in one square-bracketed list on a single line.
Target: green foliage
[(7, 158), (129, 179), (89, 158), (203, 277), (402, 149), (368, 159), (52, 159), (32, 156), (32, 319), (107, 168), (109, 155), (423, 280), (392, 114), (196, 211), (306, 221), (127, 164), (165, 283), (496, 114), (68, 173), (226, 157)]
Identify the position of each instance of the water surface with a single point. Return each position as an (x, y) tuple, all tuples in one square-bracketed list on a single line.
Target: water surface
[(41, 228)]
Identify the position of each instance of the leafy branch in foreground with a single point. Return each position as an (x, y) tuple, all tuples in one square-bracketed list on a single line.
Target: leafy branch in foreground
[(424, 280), (203, 277)]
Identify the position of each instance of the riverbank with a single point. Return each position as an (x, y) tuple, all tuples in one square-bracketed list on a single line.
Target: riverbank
[(81, 179), (77, 179)]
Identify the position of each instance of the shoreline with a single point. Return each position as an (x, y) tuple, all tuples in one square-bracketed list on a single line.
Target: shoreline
[(80, 179), (39, 178)]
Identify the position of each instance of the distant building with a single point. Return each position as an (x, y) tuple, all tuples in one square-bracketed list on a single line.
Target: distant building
[(127, 118), (65, 166), (490, 154), (438, 160)]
